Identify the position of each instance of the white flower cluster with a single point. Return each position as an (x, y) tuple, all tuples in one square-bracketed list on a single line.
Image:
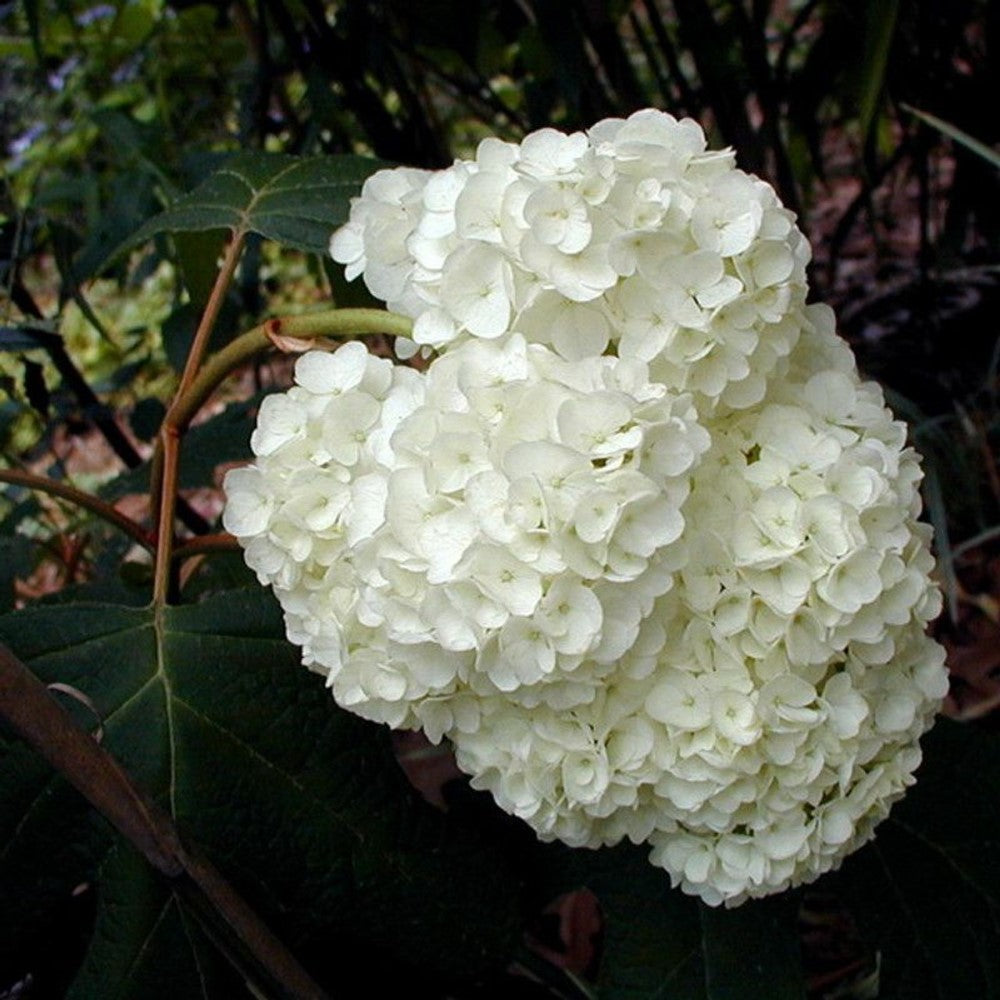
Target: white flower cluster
[(632, 236), (639, 541)]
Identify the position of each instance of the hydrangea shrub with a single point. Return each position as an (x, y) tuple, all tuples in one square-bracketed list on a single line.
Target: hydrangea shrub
[(639, 541)]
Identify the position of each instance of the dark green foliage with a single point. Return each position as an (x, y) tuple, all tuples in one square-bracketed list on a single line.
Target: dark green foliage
[(299, 803), (147, 943), (15, 561), (219, 440)]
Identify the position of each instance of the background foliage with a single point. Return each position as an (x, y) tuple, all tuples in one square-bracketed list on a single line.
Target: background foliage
[(136, 136)]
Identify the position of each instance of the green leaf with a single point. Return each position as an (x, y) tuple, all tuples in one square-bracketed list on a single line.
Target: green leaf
[(652, 937), (988, 153), (219, 571), (938, 514), (146, 143), (347, 294), (879, 31), (197, 254), (178, 330), (132, 199), (36, 392), (146, 418), (49, 842), (143, 929), (926, 892), (34, 28), (752, 952), (25, 338), (300, 804), (295, 202), (221, 439)]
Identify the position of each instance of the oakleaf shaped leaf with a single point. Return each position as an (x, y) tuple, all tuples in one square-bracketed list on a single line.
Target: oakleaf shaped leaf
[(295, 201), (300, 804)]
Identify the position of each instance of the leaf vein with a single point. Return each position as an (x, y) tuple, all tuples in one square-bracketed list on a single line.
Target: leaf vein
[(161, 672), (194, 953), (144, 947), (80, 643), (255, 754)]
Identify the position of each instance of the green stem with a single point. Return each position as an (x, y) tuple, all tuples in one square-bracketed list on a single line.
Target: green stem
[(79, 498), (332, 323), (191, 397)]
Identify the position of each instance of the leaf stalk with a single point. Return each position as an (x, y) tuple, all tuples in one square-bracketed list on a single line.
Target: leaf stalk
[(96, 506)]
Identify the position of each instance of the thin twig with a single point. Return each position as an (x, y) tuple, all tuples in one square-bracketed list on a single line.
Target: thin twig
[(484, 95), (79, 498), (331, 323), (93, 408), (167, 492), (789, 40), (97, 412), (207, 323), (44, 724), (754, 41), (689, 99), (649, 54), (976, 541), (850, 215), (163, 476)]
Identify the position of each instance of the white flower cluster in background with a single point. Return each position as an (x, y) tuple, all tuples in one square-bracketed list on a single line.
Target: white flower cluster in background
[(639, 541)]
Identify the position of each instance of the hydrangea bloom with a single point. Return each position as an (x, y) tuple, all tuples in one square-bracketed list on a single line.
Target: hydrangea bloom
[(632, 236), (639, 541)]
